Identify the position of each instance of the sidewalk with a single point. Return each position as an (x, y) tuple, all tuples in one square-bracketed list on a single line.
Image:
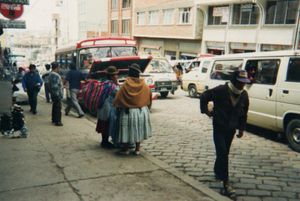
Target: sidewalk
[(66, 164)]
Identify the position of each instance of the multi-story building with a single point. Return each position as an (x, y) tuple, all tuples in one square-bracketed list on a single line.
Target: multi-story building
[(235, 26), (172, 28), (120, 18), (92, 18)]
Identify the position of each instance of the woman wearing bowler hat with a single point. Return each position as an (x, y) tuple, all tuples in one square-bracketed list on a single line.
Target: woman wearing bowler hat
[(106, 113), (229, 114), (132, 101)]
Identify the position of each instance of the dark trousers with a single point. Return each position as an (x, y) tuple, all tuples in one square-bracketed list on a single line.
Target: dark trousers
[(56, 110), (47, 94), (32, 99), (222, 139)]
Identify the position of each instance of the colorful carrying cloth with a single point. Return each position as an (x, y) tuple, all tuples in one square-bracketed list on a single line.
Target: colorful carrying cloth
[(133, 94), (106, 89)]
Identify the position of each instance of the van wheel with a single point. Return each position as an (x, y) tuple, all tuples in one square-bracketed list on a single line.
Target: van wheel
[(293, 134), (192, 91), (164, 94)]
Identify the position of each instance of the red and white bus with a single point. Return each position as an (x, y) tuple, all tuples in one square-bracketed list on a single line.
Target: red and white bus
[(93, 56), (85, 52)]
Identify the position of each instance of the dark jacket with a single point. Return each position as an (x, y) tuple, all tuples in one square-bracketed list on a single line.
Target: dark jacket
[(74, 77), (225, 115), (32, 81)]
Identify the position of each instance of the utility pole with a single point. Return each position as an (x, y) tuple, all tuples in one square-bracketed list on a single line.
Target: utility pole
[(297, 39)]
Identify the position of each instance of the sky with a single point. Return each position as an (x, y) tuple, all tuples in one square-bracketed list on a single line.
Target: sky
[(38, 15)]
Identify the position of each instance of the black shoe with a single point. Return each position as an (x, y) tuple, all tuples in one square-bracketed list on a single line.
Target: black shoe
[(58, 124), (107, 145), (66, 112), (34, 112), (81, 115), (229, 190)]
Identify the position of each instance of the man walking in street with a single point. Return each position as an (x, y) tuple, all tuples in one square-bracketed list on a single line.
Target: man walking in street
[(32, 84), (230, 108), (56, 91), (46, 82), (74, 77)]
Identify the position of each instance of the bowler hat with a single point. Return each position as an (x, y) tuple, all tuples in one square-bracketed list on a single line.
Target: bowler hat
[(136, 67), (111, 70), (241, 76)]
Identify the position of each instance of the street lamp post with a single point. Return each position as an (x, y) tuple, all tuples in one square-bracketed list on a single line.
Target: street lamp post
[(297, 39)]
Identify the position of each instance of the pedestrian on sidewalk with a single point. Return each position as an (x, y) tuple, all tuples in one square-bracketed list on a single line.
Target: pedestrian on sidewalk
[(74, 77), (56, 92), (32, 84), (230, 108), (45, 77), (106, 114), (133, 101)]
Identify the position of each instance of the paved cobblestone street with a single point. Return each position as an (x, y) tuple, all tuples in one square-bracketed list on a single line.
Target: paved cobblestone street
[(260, 168)]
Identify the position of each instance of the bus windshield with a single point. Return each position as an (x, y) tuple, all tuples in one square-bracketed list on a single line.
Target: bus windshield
[(159, 66), (88, 55)]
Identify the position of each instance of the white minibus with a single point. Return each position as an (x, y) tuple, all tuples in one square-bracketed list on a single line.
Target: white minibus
[(274, 91)]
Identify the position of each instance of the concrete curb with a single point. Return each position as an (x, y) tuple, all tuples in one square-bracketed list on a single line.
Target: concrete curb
[(185, 178)]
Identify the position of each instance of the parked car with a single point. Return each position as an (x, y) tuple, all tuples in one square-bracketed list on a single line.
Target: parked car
[(160, 76), (194, 82), (20, 96), (274, 92)]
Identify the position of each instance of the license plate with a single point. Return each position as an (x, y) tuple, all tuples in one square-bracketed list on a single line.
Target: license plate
[(164, 89)]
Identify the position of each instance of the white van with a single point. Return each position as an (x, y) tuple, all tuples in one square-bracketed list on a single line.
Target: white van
[(274, 92), (160, 77), (194, 82)]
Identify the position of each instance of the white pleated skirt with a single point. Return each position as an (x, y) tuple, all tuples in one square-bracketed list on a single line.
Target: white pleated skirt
[(134, 126)]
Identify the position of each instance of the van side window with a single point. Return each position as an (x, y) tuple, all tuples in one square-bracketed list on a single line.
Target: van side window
[(205, 66), (293, 73), (263, 71), (222, 70), (195, 64)]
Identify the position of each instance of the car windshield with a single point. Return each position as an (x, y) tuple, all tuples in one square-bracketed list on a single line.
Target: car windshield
[(159, 66), (89, 55)]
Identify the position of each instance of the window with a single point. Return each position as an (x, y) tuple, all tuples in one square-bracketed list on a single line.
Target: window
[(114, 4), (114, 27), (263, 71), (293, 73), (281, 11), (245, 14), (222, 70), (185, 15), (153, 17), (218, 15), (168, 16), (140, 18), (125, 27), (126, 3)]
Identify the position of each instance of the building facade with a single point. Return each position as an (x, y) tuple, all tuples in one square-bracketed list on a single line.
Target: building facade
[(235, 26), (172, 28), (120, 18), (92, 18)]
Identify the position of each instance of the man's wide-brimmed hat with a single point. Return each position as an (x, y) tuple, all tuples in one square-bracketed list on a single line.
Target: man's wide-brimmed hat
[(111, 70), (241, 76), (135, 67)]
